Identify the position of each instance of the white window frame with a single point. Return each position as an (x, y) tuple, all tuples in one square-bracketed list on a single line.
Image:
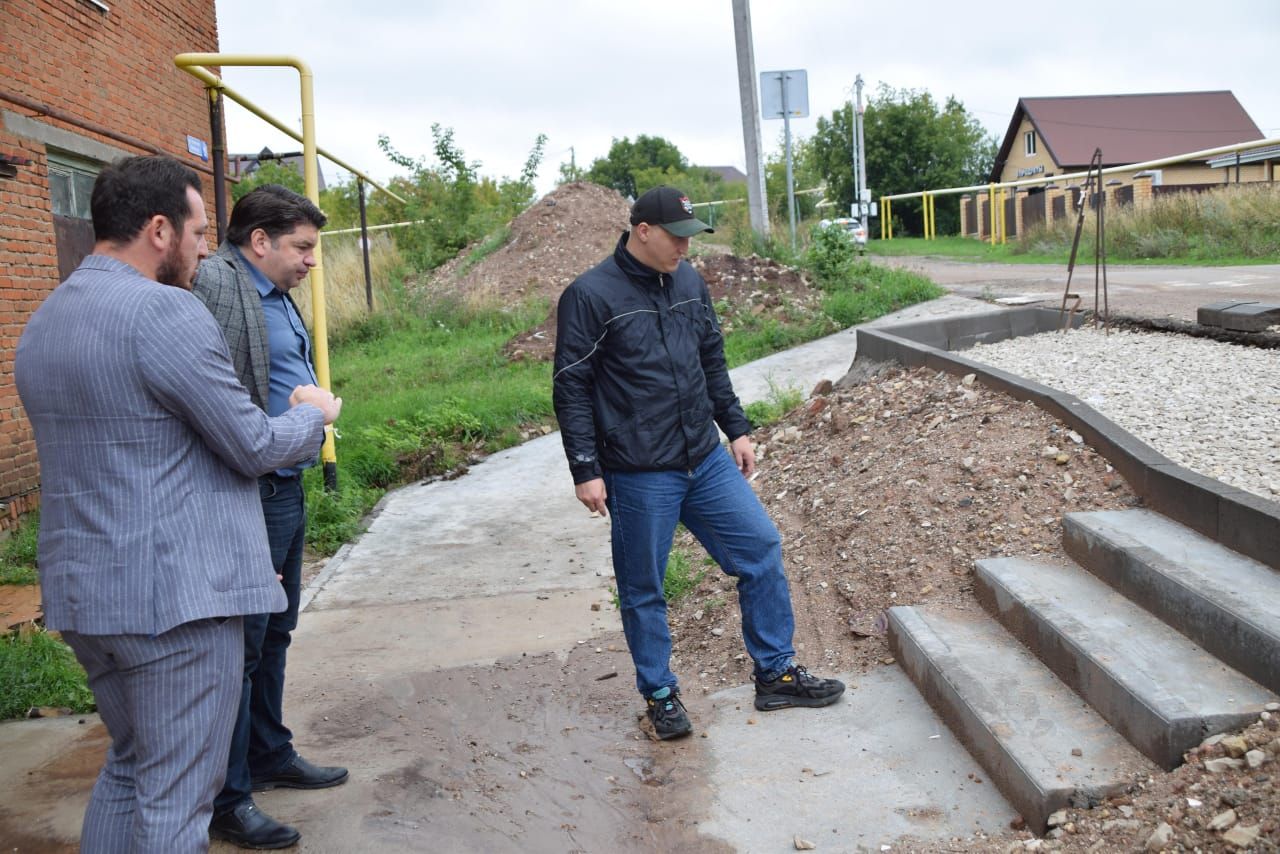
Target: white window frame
[(1029, 143), (70, 168)]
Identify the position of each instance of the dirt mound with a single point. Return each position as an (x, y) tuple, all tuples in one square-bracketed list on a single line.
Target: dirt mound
[(561, 235), (752, 285)]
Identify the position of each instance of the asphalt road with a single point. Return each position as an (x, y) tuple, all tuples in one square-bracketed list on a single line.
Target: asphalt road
[(1144, 291)]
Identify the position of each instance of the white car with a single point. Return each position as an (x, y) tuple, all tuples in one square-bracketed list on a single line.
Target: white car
[(855, 228)]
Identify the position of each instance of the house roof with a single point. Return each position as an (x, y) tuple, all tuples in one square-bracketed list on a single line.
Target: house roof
[(1129, 128), (729, 174)]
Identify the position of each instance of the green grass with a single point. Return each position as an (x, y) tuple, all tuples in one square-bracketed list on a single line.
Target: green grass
[(872, 291), (37, 669), (682, 577), (18, 553), (779, 401), (423, 388), (966, 249)]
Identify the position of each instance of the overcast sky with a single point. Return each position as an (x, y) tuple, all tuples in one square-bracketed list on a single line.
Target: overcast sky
[(586, 71)]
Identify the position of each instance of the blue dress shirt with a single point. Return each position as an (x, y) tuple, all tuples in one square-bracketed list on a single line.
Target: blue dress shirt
[(290, 349)]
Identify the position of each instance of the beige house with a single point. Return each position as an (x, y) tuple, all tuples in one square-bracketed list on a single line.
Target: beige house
[(1058, 136)]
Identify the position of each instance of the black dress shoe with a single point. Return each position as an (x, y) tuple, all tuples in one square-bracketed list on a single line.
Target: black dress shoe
[(249, 827), (298, 773)]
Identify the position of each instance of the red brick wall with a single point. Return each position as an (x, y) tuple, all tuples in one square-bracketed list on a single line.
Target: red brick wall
[(115, 70)]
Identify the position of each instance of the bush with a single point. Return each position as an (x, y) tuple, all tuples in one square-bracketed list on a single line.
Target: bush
[(830, 256)]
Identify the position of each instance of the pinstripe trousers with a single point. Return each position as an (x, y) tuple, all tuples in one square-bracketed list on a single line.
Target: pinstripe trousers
[(169, 703)]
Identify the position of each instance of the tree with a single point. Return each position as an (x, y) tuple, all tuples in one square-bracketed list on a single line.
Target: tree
[(448, 199), (912, 144), (805, 175), (269, 172), (631, 168), (618, 169)]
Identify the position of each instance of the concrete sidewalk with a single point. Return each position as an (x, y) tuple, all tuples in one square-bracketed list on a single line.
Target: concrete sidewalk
[(464, 659)]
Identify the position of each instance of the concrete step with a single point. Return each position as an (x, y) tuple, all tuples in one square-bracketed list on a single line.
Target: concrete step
[(1042, 745), (1227, 603), (1154, 685)]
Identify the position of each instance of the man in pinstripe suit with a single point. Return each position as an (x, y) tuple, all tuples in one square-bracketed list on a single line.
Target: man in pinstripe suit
[(152, 543), (269, 249)]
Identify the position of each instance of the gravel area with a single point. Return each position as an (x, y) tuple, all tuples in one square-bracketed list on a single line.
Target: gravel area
[(1209, 406)]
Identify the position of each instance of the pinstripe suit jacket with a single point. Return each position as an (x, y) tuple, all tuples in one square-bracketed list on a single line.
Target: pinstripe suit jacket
[(149, 449), (226, 288)]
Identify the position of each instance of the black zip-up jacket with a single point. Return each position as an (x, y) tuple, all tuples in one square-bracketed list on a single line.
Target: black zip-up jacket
[(640, 377)]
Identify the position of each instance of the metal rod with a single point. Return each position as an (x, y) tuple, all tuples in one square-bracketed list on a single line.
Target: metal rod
[(219, 154), (364, 245), (786, 127)]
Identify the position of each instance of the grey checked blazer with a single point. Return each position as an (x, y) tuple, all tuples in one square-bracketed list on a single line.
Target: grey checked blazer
[(226, 287), (149, 449)]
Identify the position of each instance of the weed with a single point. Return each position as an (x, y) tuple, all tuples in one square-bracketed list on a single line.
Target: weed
[(681, 578), (778, 402), (37, 669), (18, 554)]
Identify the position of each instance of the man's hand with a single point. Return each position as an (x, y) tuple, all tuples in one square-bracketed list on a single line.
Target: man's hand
[(592, 494), (743, 455), (320, 398)]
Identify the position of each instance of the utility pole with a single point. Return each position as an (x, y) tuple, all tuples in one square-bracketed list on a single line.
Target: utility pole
[(860, 180), (573, 164), (750, 103)]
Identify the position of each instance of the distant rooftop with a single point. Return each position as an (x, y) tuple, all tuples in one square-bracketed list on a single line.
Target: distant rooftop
[(729, 174), (1130, 128)]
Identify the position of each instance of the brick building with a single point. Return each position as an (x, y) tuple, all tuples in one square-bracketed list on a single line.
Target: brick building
[(1058, 136), (82, 83)]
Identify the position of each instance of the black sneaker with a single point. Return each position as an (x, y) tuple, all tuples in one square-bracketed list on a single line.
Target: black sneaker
[(796, 687), (668, 717)]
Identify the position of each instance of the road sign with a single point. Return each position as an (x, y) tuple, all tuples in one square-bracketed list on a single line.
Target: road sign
[(777, 104)]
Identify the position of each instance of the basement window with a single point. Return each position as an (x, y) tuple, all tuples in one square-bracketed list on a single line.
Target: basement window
[(1029, 143), (71, 185)]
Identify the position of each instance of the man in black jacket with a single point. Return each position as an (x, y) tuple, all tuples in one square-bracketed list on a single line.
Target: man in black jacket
[(640, 386)]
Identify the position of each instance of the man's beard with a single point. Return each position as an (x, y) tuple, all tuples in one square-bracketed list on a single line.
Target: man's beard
[(172, 270)]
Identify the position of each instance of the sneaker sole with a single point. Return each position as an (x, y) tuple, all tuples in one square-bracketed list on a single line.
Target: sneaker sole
[(773, 702), (668, 736)]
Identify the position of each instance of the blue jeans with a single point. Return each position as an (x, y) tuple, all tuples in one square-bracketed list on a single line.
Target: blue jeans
[(260, 743), (716, 504)]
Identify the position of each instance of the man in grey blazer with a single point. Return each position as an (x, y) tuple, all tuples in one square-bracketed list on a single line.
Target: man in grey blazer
[(269, 249), (152, 544)]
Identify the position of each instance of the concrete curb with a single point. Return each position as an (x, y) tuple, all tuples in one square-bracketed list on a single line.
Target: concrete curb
[(1241, 521)]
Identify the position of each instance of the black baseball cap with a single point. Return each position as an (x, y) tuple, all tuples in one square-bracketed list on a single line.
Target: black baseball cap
[(669, 208)]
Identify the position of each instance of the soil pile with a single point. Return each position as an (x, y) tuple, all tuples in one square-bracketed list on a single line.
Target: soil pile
[(563, 234)]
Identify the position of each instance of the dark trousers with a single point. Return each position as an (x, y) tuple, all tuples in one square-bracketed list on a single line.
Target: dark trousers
[(261, 744)]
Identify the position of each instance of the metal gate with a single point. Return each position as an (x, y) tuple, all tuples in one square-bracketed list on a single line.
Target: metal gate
[(1032, 210)]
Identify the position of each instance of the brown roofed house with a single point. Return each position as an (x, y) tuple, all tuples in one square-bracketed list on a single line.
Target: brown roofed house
[(1059, 135)]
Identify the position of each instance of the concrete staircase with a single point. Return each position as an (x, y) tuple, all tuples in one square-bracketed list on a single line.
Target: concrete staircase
[(1085, 677)]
